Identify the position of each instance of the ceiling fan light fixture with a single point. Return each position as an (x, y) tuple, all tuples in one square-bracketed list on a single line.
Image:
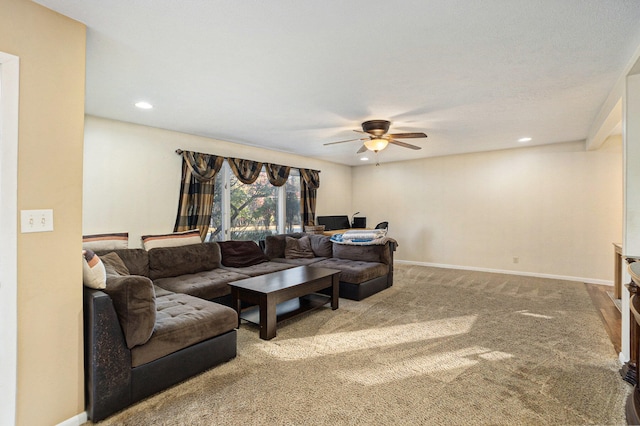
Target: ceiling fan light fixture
[(377, 144), (143, 105)]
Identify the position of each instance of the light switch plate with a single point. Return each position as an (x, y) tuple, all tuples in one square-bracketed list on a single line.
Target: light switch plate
[(36, 221)]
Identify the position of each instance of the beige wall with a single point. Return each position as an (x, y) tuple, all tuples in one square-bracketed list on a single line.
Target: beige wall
[(558, 208), (132, 176), (51, 49)]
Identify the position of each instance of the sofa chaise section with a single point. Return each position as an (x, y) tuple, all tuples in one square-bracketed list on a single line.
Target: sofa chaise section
[(113, 382), (184, 335)]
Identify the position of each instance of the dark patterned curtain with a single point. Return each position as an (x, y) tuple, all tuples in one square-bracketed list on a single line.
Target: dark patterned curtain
[(309, 184), (247, 171), (277, 174), (196, 191)]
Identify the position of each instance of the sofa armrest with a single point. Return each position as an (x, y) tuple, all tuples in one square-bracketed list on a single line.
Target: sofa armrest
[(366, 253), (106, 356)]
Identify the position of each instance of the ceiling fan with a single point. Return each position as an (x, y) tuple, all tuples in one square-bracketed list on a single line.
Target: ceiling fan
[(377, 138)]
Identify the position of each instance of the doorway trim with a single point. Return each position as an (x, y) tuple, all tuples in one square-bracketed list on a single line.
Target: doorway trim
[(9, 101)]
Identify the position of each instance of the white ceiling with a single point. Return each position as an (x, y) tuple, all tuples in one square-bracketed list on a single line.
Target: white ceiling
[(293, 75)]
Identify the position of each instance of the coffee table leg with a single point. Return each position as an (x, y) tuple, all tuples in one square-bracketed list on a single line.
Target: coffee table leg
[(335, 291), (235, 302), (267, 317)]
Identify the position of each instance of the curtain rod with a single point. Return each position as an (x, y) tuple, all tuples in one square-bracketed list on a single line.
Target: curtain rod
[(179, 152)]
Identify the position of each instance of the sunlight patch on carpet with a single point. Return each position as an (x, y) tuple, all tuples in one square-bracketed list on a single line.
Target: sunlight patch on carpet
[(335, 343), (531, 314), (444, 367)]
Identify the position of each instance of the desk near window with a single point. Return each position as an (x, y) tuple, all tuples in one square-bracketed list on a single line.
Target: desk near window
[(341, 222), (342, 231)]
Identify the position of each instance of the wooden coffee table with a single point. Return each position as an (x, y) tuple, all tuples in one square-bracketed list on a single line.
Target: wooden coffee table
[(272, 291)]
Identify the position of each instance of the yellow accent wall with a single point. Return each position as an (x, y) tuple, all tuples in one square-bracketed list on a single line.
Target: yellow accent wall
[(51, 49)]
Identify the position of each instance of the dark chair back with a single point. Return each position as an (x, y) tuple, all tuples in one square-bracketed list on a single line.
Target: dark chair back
[(382, 225), (359, 222)]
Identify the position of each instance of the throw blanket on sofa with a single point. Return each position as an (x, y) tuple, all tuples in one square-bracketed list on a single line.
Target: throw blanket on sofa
[(363, 237)]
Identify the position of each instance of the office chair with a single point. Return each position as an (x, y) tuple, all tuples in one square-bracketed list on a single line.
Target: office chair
[(383, 225)]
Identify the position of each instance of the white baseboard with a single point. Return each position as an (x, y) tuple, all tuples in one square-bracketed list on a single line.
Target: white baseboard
[(623, 359), (75, 420), (502, 271)]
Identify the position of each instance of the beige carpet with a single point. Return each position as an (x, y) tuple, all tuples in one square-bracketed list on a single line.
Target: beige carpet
[(441, 347)]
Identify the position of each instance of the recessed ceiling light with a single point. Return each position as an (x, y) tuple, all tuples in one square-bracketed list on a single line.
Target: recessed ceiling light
[(524, 140), (143, 105), (364, 158)]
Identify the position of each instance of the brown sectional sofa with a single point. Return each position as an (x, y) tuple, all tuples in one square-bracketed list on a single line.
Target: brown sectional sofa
[(364, 269), (164, 319), (158, 323)]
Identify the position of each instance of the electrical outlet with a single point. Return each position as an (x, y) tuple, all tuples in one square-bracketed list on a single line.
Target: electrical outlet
[(516, 259), (36, 221)]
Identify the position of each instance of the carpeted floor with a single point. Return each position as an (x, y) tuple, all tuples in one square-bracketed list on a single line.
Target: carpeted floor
[(441, 347)]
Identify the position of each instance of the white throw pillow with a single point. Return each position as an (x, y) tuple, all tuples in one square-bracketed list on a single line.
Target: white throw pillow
[(93, 272)]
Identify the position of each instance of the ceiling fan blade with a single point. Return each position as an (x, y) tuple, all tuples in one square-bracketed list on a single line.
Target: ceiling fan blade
[(407, 135), (348, 140), (404, 144), (362, 149)]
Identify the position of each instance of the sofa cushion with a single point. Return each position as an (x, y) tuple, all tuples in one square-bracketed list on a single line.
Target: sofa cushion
[(298, 248), (175, 261), (174, 239), (261, 268), (101, 242), (93, 272), (372, 253), (240, 254), (354, 271), (205, 285), (321, 245), (133, 298), (113, 265), (181, 321), (274, 245), (136, 260)]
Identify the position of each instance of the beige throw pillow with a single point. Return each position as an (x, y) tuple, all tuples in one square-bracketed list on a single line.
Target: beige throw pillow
[(175, 239), (102, 242)]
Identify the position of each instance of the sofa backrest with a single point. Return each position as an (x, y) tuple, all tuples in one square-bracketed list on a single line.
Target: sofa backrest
[(372, 253), (274, 245), (190, 259), (136, 260)]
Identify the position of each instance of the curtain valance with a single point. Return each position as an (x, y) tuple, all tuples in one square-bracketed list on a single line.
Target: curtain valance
[(196, 191), (277, 174), (206, 166), (311, 178), (247, 171), (198, 177)]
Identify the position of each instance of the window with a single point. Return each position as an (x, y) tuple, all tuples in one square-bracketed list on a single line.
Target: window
[(252, 212)]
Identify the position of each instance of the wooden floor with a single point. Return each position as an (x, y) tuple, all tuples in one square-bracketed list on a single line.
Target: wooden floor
[(610, 315)]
